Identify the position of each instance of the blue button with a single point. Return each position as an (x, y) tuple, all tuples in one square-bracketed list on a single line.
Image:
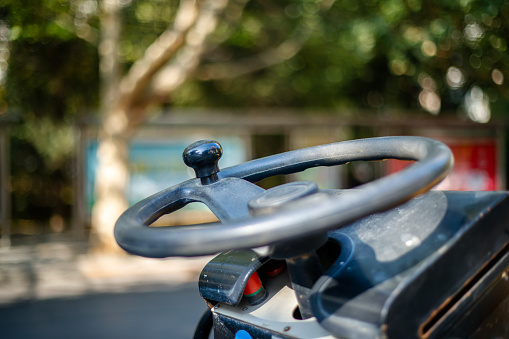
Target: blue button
[(242, 335)]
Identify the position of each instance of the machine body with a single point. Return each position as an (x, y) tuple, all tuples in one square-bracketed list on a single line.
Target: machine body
[(384, 260), (434, 267)]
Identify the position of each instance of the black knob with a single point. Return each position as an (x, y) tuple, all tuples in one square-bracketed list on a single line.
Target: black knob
[(202, 156)]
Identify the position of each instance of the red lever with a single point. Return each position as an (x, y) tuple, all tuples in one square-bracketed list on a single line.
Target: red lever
[(254, 290)]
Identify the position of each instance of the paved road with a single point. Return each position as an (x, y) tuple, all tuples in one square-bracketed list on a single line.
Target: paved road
[(54, 288), (149, 315)]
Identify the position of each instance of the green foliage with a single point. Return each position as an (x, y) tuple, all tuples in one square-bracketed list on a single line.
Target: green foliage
[(373, 54), (370, 54), (143, 22), (41, 21), (52, 78)]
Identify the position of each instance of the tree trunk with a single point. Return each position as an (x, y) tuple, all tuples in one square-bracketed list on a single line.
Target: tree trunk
[(111, 177), (124, 99)]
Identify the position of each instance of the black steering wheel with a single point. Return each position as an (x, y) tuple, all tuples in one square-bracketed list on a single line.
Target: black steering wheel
[(231, 195)]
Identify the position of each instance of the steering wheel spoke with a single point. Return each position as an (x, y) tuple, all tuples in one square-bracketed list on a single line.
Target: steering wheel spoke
[(227, 198)]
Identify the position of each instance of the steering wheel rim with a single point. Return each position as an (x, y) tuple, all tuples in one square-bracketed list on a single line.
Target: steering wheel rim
[(434, 162)]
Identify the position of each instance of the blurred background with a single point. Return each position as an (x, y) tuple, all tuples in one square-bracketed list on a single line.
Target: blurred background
[(98, 99)]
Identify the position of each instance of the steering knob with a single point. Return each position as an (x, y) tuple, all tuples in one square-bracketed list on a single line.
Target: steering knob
[(202, 156)]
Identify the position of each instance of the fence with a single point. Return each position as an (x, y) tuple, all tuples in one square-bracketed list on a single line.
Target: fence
[(260, 132)]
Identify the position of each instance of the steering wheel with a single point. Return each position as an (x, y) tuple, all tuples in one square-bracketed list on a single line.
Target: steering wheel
[(252, 217)]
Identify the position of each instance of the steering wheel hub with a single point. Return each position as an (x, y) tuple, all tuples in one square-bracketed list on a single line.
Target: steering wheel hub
[(272, 199)]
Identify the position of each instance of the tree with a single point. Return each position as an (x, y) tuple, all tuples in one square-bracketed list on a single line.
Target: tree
[(49, 74), (379, 55), (383, 56), (166, 64), (134, 75)]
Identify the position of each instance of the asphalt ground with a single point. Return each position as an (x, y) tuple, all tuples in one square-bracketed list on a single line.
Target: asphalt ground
[(150, 314), (56, 289)]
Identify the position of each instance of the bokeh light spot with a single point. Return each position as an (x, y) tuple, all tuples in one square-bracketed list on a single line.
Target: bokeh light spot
[(497, 76), (475, 61), (399, 67), (427, 83), (455, 77), (429, 48), (430, 101), (477, 105), (474, 32)]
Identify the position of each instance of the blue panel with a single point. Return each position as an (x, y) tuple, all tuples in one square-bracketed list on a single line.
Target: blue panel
[(157, 164)]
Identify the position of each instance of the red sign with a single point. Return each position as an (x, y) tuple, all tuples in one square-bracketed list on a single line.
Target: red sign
[(475, 166)]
